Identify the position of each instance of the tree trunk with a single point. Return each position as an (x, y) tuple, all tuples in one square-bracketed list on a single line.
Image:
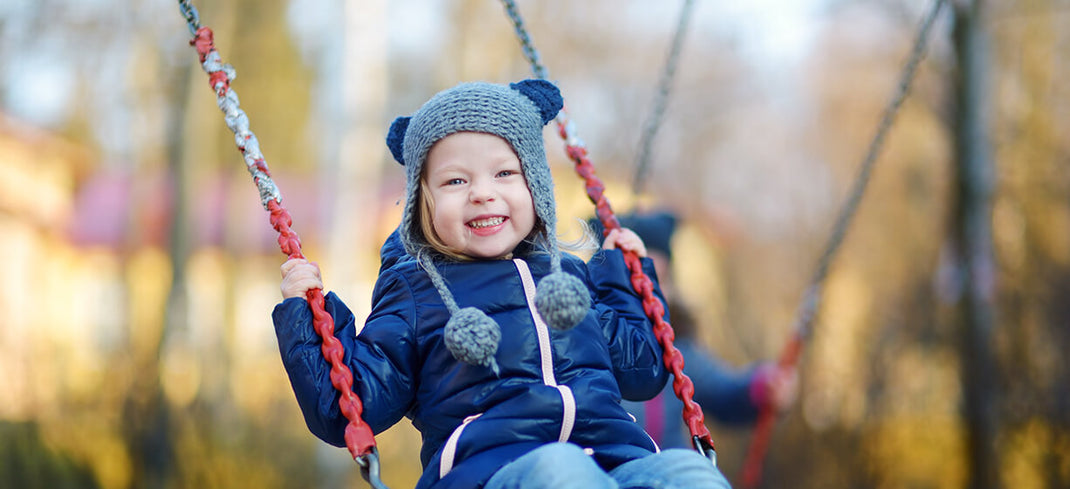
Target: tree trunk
[(972, 239)]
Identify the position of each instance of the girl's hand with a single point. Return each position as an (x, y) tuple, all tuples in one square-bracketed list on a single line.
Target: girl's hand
[(625, 239), (298, 277)]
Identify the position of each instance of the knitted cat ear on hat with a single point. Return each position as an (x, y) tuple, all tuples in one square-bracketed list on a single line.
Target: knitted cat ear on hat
[(516, 113)]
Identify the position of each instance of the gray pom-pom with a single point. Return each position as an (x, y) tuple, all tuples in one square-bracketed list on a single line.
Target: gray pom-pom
[(472, 337), (562, 300)]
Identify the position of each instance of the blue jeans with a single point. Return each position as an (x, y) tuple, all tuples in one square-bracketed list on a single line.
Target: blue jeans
[(566, 466)]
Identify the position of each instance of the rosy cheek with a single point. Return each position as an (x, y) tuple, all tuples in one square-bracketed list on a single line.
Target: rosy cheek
[(436, 223)]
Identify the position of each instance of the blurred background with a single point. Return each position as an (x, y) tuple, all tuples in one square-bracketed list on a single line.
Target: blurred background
[(136, 346)]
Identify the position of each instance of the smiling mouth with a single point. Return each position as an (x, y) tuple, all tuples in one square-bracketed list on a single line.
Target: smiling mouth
[(486, 223)]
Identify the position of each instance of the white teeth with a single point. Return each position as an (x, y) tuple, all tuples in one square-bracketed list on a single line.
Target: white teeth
[(484, 223)]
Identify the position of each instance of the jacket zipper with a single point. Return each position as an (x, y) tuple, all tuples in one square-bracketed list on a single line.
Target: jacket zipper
[(568, 401)]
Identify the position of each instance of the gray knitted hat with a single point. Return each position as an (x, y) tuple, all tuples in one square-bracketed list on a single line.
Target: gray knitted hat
[(516, 113)]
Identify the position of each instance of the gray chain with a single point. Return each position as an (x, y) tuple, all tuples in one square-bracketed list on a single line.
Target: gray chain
[(234, 117), (193, 19), (661, 97), (812, 297), (525, 40)]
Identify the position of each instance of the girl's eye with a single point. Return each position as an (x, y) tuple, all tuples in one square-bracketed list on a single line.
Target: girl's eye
[(455, 181), (507, 173)]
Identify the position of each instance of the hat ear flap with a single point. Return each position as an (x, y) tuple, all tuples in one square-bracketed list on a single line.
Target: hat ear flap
[(395, 138), (544, 94)]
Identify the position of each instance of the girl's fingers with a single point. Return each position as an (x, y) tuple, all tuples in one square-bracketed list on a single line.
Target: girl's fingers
[(308, 284), (625, 239), (610, 243), (299, 276), (300, 265), (289, 265), (298, 286), (631, 242)]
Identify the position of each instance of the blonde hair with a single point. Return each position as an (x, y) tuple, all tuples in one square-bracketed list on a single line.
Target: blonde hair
[(425, 209)]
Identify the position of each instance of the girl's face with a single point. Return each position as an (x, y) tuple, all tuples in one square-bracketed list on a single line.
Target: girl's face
[(482, 205)]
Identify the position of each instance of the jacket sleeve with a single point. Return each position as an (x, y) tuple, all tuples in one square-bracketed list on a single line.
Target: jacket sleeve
[(382, 358), (633, 348), (723, 392)]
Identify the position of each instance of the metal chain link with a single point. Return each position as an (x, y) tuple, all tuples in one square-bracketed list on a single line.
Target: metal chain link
[(189, 12), (525, 40), (661, 98)]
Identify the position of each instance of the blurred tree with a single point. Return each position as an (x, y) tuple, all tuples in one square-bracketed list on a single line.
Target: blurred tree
[(1033, 240), (26, 461), (971, 237)]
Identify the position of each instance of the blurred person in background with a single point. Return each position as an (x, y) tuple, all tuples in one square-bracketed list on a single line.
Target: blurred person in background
[(733, 396)]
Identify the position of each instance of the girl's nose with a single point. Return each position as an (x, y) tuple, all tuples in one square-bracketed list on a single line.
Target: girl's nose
[(480, 192)]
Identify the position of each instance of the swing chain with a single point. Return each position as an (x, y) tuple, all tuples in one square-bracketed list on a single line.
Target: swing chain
[(193, 19), (862, 180), (525, 40), (803, 327), (650, 128), (220, 75), (359, 438)]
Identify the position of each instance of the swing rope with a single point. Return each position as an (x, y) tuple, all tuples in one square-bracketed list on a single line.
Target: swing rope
[(804, 322), (661, 97), (576, 150), (358, 435)]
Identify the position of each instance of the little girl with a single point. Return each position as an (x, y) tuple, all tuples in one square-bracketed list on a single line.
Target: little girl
[(511, 385)]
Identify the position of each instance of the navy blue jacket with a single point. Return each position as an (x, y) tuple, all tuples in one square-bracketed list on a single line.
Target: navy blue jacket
[(554, 385)]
